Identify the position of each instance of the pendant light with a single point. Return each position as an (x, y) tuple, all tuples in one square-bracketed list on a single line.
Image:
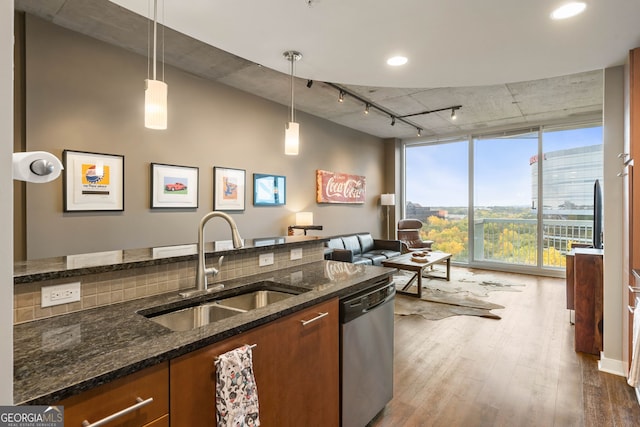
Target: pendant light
[(292, 130), (155, 92)]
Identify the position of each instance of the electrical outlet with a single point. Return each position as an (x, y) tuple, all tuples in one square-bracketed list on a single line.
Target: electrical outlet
[(265, 259), (296, 254), (60, 294)]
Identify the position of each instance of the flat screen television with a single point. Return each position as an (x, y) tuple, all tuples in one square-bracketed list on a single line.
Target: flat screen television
[(597, 215)]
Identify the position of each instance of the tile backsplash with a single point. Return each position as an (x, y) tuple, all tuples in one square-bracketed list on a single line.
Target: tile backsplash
[(101, 289)]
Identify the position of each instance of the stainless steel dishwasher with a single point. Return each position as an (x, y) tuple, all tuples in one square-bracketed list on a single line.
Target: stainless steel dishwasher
[(366, 345)]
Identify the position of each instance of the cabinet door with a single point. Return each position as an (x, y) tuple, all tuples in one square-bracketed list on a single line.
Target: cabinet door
[(312, 394), (108, 399), (280, 368)]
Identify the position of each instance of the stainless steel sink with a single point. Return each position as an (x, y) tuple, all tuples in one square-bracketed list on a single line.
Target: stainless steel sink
[(255, 299), (199, 313), (194, 317)]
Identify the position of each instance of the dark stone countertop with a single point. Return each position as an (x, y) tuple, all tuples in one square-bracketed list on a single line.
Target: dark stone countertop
[(62, 356), (101, 262)]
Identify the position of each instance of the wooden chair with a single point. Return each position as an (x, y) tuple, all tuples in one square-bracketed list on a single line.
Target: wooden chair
[(409, 235)]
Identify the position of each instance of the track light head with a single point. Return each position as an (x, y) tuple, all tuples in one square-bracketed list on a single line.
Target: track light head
[(419, 132), (309, 83), (393, 121), (341, 96), (453, 114), (366, 109)]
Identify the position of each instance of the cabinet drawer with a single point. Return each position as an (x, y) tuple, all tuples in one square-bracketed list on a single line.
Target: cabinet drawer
[(123, 393)]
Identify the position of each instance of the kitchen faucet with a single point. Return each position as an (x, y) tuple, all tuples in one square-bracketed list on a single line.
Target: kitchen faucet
[(203, 271)]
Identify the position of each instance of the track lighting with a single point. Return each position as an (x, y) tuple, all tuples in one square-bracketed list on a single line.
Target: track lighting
[(368, 105)]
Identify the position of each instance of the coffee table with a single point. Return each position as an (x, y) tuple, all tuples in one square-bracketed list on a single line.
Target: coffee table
[(404, 262)]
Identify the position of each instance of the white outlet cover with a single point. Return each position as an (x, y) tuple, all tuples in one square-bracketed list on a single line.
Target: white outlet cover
[(59, 294), (265, 259), (296, 254)]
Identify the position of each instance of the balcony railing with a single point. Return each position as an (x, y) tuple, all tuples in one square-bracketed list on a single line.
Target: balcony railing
[(514, 240)]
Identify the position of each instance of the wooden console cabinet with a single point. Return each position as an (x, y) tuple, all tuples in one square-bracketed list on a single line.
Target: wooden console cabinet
[(584, 295)]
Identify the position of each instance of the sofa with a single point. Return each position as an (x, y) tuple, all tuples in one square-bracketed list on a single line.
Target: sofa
[(362, 248)]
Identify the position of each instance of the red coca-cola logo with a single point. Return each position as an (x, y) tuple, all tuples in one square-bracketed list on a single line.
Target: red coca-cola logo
[(340, 188)]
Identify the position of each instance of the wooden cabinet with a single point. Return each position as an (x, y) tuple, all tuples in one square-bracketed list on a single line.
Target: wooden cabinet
[(295, 363), (135, 389), (584, 295)]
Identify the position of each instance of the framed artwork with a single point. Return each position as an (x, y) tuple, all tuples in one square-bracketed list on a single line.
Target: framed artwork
[(228, 189), (173, 186), (92, 181), (269, 190), (335, 187)]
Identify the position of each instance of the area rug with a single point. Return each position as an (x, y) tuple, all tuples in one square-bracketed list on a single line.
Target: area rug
[(430, 308), (477, 283), (441, 298)]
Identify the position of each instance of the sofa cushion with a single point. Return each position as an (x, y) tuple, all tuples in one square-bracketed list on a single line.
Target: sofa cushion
[(353, 244), (335, 243), (387, 253), (366, 242), (362, 260), (376, 259)]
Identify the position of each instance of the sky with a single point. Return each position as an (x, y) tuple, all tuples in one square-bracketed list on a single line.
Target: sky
[(437, 174)]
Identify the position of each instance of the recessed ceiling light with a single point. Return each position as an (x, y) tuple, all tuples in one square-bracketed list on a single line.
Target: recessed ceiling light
[(397, 60), (569, 10)]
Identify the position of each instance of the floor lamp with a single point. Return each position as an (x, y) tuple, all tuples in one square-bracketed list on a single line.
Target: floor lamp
[(388, 200)]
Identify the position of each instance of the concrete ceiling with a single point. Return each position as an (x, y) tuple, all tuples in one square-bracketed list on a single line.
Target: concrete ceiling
[(486, 102)]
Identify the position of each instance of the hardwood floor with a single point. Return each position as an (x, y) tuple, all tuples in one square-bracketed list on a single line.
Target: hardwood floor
[(520, 370)]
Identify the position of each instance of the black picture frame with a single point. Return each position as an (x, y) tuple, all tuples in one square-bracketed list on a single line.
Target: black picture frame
[(174, 186), (228, 189), (92, 182)]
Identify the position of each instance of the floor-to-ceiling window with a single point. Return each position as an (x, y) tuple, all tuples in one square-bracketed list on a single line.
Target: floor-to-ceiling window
[(516, 200), (437, 193), (572, 161), (504, 224)]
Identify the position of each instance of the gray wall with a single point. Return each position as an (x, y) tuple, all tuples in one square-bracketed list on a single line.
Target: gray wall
[(85, 95), (613, 137)]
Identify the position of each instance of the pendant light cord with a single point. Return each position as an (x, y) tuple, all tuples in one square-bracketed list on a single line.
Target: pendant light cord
[(292, 59), (155, 34)]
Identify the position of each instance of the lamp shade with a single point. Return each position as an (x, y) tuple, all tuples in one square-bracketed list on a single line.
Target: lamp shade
[(388, 199), (304, 218), (155, 104), (291, 139)]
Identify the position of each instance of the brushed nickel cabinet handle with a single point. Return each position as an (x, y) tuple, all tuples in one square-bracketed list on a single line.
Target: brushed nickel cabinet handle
[(319, 316), (118, 414)]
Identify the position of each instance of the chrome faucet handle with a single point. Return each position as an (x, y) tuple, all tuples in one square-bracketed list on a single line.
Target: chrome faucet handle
[(213, 271)]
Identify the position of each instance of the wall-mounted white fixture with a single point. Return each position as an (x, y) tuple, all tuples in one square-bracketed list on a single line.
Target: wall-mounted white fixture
[(292, 130), (155, 91), (36, 166)]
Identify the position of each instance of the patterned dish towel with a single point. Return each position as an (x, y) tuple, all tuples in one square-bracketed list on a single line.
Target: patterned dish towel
[(236, 392)]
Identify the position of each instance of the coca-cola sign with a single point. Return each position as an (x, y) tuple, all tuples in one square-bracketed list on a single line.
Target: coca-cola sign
[(332, 187)]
